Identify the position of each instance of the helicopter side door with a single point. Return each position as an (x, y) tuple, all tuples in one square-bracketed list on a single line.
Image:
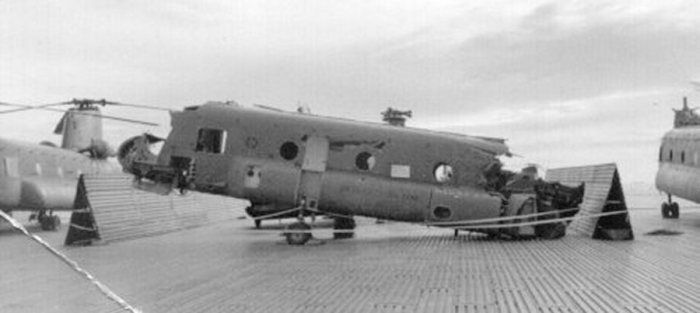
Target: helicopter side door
[(210, 165)]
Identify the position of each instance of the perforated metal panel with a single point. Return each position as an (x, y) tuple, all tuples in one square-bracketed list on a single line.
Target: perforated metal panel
[(119, 211), (603, 193)]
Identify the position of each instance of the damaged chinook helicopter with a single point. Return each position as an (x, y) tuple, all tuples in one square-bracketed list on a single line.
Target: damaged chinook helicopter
[(310, 164)]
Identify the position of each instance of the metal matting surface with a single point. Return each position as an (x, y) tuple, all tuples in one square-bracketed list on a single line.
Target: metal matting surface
[(123, 212), (598, 180), (391, 267)]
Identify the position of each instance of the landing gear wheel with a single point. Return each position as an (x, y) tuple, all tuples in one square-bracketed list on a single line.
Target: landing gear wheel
[(46, 222), (299, 233), (49, 222), (675, 210), (665, 210), (258, 223), (344, 225), (670, 210)]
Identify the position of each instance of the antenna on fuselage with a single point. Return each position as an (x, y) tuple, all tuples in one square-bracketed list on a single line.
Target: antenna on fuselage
[(396, 117)]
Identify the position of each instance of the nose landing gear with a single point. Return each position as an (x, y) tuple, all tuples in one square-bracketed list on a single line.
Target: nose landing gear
[(670, 209), (47, 221)]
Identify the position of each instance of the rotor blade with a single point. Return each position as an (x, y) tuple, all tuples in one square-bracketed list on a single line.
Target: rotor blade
[(47, 107), (265, 107), (141, 106), (24, 107), (128, 120)]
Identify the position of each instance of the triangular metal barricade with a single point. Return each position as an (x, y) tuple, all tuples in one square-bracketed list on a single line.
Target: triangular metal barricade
[(603, 197), (82, 228)]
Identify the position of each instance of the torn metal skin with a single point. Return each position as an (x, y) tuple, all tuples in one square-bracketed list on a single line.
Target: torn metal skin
[(280, 160)]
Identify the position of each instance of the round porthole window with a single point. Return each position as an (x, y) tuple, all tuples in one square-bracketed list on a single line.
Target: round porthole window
[(442, 213), (443, 172), (365, 161), (289, 150)]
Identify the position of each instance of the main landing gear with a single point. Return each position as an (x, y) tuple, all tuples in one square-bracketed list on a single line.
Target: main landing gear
[(670, 209), (343, 228), (298, 233), (47, 221)]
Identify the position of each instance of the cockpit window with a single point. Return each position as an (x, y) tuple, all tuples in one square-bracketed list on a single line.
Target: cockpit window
[(211, 140)]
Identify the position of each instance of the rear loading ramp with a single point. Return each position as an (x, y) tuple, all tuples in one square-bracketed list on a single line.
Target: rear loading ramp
[(603, 196)]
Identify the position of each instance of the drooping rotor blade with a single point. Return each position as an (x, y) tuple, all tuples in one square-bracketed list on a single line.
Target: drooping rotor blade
[(266, 107), (128, 120), (141, 106)]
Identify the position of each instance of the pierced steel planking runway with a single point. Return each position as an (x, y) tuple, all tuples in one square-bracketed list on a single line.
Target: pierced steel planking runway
[(392, 267)]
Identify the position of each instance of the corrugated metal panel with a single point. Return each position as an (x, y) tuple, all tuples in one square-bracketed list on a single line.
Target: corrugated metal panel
[(122, 212), (598, 180)]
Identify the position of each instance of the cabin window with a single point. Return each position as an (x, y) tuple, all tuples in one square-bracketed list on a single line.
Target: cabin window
[(10, 168), (289, 150), (365, 161), (683, 157), (443, 172), (670, 155), (211, 140), (442, 213)]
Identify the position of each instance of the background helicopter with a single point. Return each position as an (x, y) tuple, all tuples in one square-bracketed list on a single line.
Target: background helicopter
[(679, 153), (42, 178), (345, 168)]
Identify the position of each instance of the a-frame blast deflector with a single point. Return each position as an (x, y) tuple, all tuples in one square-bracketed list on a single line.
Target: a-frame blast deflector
[(82, 228), (108, 208), (603, 196)]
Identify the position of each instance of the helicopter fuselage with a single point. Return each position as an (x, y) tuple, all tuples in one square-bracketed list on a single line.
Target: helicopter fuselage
[(332, 165)]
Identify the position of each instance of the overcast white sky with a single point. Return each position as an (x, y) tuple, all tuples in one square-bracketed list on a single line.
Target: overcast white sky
[(566, 82)]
